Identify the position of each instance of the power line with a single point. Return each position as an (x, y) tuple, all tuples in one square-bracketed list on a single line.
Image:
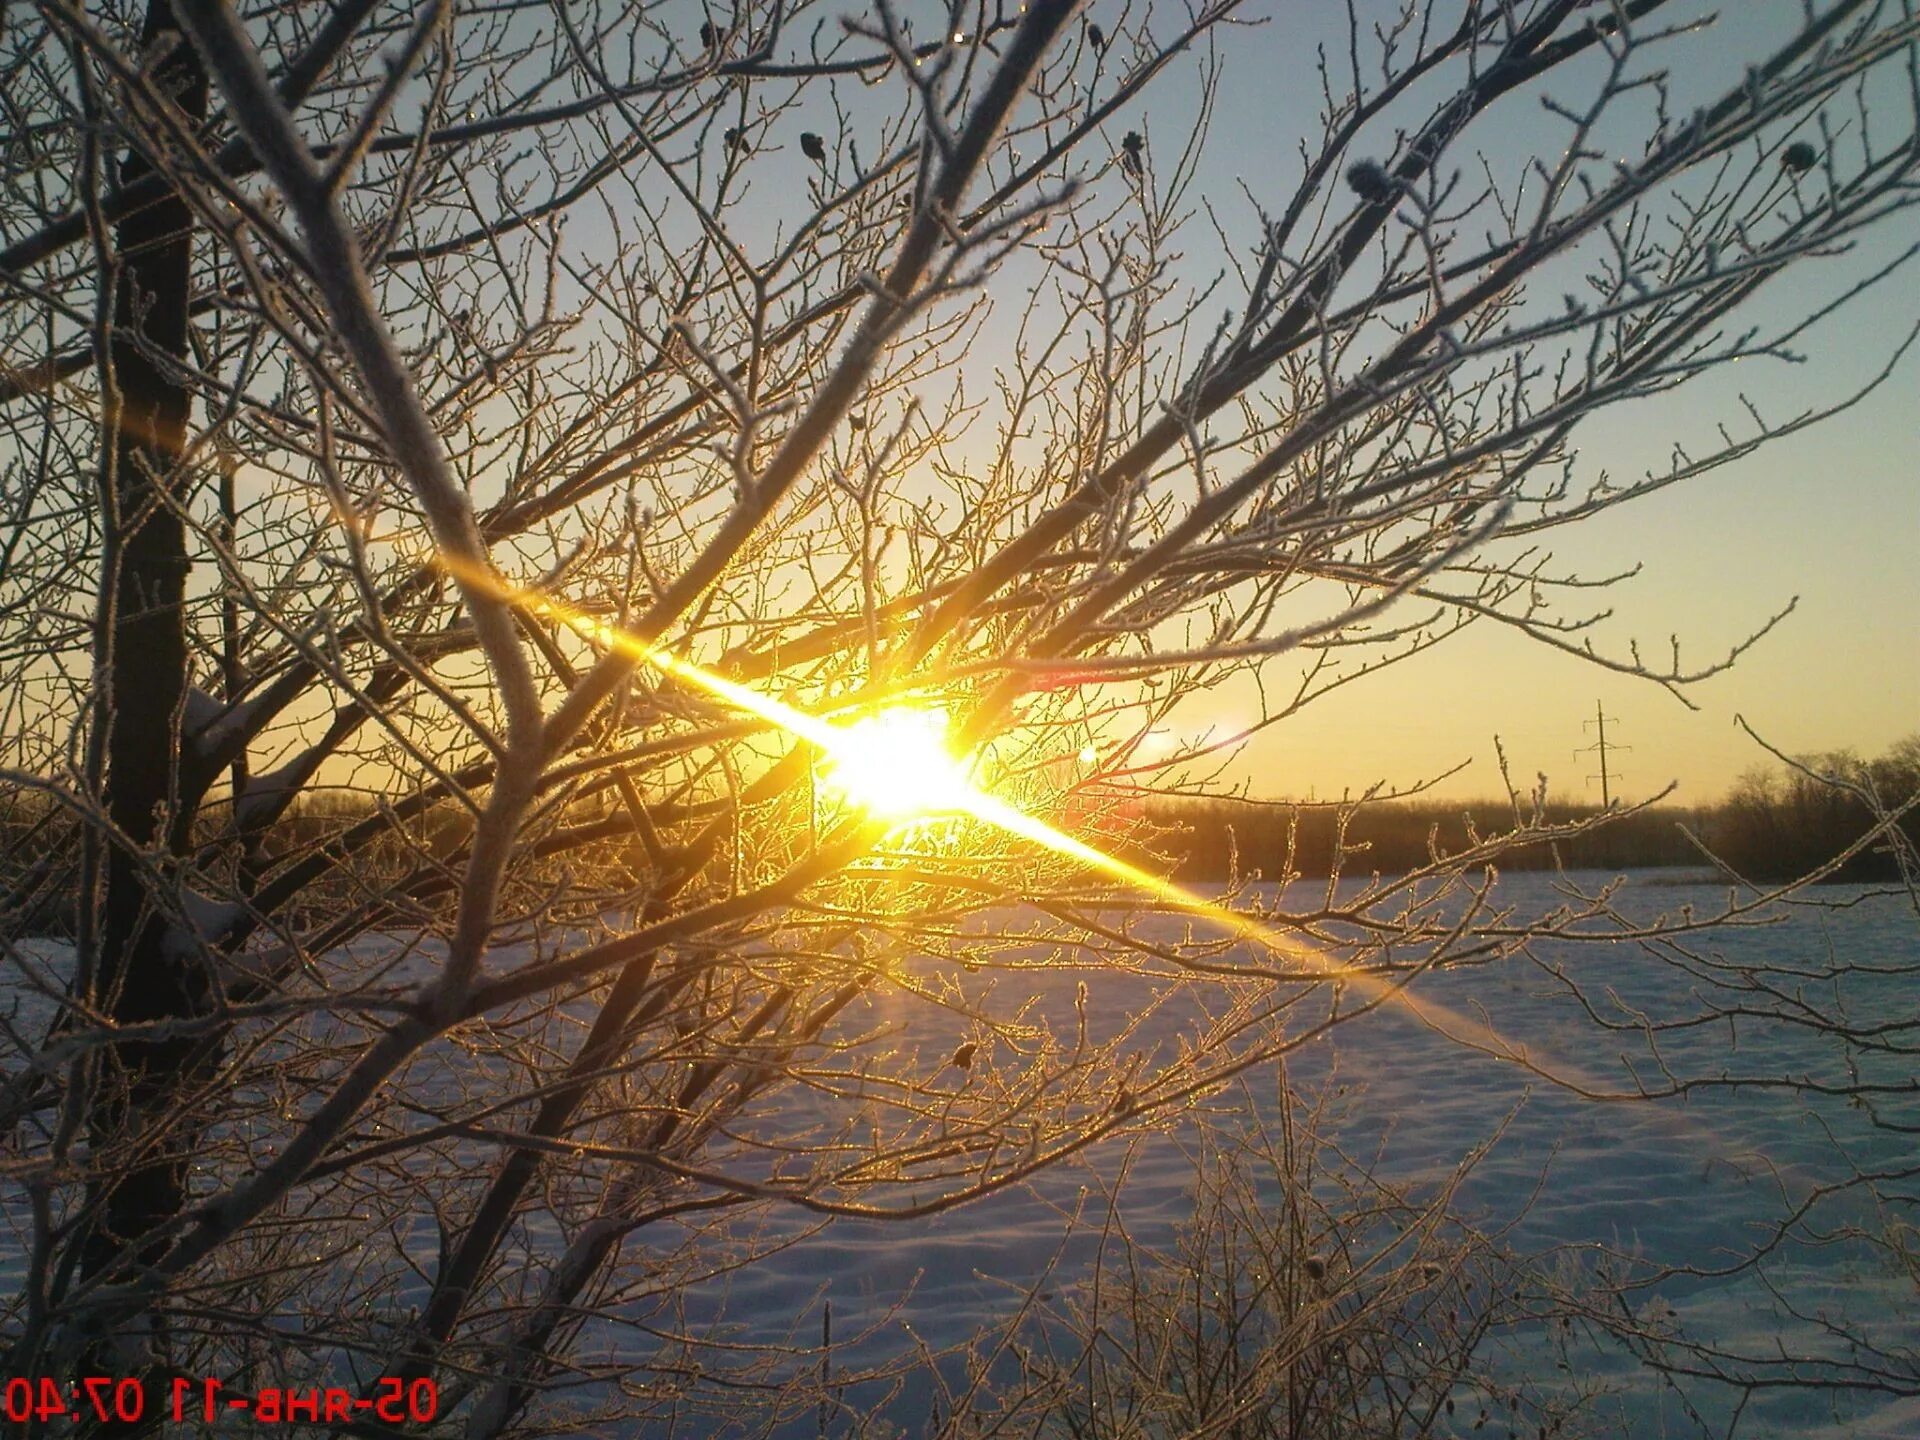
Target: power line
[(1606, 776)]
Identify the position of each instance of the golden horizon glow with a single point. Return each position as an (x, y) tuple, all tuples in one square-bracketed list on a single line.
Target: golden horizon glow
[(841, 744)]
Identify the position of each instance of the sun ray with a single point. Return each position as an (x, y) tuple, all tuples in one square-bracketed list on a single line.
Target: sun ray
[(842, 745)]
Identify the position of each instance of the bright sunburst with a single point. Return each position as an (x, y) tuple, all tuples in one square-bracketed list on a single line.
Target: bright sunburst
[(896, 765)]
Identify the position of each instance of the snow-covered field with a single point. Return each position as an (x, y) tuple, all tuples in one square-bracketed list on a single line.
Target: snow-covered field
[(1691, 1183), (1683, 1184)]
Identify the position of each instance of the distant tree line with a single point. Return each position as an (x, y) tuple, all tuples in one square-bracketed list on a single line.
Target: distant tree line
[(1779, 821), (1216, 839), (1776, 823)]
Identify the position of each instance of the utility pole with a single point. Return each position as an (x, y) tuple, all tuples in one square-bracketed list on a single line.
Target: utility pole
[(1606, 776)]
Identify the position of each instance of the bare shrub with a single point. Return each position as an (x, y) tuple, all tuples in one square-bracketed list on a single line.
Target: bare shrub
[(469, 472), (1304, 1299)]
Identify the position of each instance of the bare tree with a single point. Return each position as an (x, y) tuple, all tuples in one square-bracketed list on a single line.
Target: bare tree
[(478, 477)]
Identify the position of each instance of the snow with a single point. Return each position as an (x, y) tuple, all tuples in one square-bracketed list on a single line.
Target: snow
[(264, 794), (1682, 1184), (208, 723), (211, 921), (200, 712)]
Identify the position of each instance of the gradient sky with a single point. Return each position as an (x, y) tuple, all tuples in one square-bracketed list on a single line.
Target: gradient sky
[(1831, 516)]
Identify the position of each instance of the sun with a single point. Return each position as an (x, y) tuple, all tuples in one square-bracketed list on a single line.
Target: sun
[(896, 765)]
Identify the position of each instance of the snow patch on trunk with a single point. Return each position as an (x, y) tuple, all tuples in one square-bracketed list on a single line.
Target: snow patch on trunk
[(207, 724), (264, 796), (208, 923)]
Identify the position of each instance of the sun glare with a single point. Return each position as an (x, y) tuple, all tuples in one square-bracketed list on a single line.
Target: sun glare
[(896, 764)]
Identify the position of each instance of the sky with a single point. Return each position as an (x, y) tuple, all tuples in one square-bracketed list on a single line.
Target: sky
[(1830, 516), (1827, 518)]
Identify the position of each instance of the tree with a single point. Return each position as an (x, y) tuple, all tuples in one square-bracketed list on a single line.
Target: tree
[(478, 481), (1834, 815)]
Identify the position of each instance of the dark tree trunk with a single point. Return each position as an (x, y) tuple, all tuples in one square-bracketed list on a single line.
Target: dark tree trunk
[(138, 976)]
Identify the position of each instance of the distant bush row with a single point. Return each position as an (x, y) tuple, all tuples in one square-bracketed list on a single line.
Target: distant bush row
[(1776, 823)]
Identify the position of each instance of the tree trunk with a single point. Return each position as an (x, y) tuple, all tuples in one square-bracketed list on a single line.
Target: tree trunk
[(138, 976)]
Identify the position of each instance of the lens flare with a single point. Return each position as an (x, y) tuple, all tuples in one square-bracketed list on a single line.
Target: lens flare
[(896, 763), (881, 761)]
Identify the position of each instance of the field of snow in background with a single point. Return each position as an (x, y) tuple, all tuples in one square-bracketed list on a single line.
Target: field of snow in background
[(1683, 1184), (1680, 1183)]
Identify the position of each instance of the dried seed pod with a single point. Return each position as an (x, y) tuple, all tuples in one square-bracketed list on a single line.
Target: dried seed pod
[(1371, 182)]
